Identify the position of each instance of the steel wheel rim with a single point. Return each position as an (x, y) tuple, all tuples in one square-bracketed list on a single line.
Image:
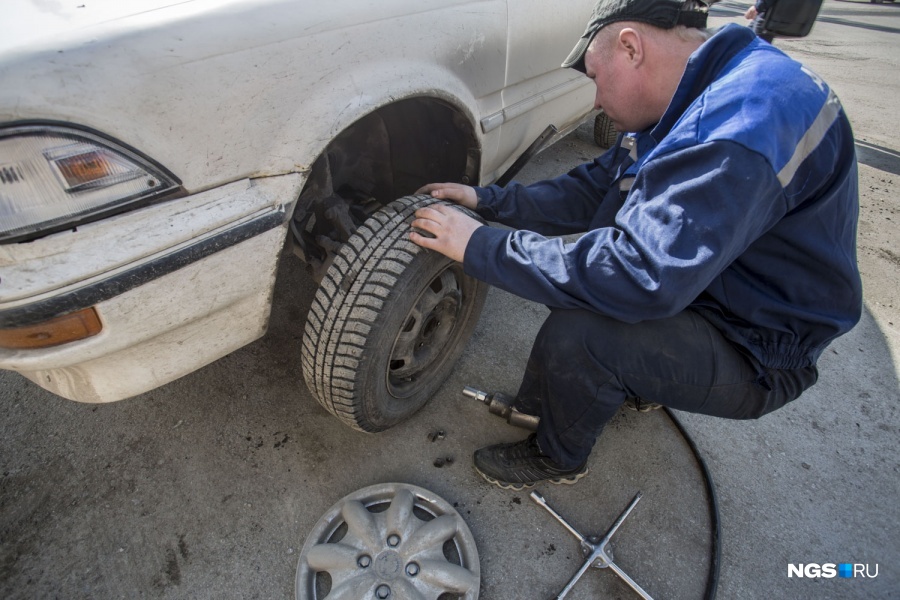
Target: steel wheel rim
[(389, 541), (430, 326)]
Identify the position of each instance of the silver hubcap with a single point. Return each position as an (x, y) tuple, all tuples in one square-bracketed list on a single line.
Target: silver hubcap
[(389, 541)]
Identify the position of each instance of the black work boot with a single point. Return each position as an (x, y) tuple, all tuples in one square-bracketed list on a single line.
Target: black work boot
[(521, 464)]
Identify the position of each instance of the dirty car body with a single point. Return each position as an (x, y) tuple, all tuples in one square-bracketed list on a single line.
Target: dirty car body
[(156, 157)]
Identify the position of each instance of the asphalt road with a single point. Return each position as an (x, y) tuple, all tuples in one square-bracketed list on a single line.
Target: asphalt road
[(208, 487)]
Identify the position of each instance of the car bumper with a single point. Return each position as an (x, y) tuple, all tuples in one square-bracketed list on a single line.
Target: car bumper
[(176, 286)]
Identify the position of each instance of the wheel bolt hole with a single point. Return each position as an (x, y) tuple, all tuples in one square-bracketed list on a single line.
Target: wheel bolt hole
[(364, 561), (393, 540), (412, 569), (430, 325), (408, 326), (383, 591)]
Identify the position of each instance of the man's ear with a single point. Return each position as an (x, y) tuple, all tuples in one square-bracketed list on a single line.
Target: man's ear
[(631, 43)]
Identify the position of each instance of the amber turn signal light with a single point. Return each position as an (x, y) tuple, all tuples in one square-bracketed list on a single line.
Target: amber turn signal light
[(54, 332)]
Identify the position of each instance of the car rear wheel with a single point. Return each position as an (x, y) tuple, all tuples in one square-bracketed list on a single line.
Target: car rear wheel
[(388, 322), (604, 132)]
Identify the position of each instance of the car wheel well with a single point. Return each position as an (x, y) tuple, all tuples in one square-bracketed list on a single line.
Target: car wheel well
[(387, 154)]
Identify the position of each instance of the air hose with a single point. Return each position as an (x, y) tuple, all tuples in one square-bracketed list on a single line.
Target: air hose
[(712, 581), (502, 405)]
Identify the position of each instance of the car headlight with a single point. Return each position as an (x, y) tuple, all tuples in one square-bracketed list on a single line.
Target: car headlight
[(54, 177)]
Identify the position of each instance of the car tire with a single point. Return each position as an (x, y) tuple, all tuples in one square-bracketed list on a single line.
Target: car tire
[(388, 322), (605, 133)]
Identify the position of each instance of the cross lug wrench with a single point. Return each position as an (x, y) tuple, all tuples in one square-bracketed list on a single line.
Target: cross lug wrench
[(595, 551)]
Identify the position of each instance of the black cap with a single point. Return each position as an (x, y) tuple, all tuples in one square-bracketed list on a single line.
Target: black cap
[(664, 14)]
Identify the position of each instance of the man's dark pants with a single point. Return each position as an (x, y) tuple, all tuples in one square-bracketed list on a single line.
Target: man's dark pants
[(583, 366)]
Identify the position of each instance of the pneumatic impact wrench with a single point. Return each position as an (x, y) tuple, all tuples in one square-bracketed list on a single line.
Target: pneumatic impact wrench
[(502, 406)]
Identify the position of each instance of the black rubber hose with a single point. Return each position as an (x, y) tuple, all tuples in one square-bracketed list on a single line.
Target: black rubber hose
[(712, 582)]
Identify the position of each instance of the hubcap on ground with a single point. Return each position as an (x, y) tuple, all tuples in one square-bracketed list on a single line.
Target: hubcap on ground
[(390, 540)]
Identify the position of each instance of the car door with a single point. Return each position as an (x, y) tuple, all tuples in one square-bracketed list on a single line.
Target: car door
[(538, 92), (541, 35)]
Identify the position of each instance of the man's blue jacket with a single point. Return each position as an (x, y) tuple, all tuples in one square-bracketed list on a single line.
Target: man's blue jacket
[(743, 206)]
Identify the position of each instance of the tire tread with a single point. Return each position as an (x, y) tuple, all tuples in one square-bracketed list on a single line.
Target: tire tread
[(348, 302)]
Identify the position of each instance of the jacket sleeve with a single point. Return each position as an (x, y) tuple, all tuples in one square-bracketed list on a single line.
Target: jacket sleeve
[(689, 214), (558, 206)]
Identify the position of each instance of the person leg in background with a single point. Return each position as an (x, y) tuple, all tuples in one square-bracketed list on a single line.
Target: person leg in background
[(584, 365), (757, 15)]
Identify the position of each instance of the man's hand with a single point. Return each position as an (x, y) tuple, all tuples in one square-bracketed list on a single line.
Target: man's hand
[(751, 13), (455, 192), (450, 227)]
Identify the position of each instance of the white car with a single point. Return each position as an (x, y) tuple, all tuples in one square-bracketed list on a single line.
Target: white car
[(157, 155)]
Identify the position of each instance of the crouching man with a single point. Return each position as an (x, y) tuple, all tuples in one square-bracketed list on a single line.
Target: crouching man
[(718, 255)]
